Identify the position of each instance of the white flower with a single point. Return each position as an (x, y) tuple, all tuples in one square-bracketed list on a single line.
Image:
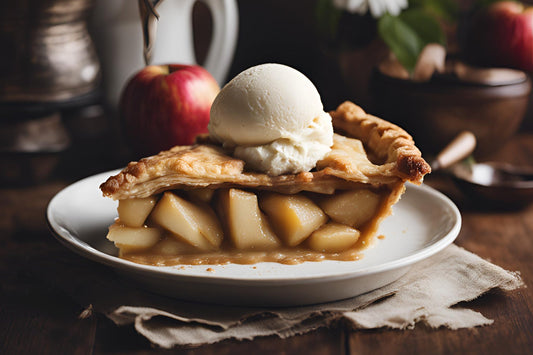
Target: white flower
[(377, 7)]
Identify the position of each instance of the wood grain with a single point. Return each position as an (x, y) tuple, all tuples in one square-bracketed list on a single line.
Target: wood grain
[(36, 316)]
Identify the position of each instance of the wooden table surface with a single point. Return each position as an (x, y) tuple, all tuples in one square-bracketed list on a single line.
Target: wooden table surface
[(38, 317)]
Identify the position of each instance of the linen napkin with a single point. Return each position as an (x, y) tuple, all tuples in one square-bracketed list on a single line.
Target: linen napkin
[(425, 294)]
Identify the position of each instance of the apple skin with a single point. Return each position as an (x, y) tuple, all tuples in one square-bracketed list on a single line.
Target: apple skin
[(501, 35), (166, 105)]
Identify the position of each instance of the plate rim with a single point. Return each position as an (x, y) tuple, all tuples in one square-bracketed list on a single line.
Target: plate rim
[(84, 249)]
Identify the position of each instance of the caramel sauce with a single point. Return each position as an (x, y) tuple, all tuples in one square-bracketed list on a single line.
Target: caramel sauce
[(284, 255), (287, 256)]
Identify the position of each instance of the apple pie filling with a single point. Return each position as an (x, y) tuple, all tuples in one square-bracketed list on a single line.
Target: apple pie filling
[(206, 226)]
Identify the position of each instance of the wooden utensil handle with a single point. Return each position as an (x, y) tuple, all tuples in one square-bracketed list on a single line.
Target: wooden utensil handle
[(459, 148)]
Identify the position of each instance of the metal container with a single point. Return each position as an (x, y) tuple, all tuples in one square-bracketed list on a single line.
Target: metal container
[(48, 66), (47, 52)]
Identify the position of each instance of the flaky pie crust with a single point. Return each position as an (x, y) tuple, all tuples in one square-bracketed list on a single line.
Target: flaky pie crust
[(370, 151)]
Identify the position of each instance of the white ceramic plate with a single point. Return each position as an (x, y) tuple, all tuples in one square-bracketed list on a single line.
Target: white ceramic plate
[(423, 223)]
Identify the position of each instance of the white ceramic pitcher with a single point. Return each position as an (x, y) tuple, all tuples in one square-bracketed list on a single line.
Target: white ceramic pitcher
[(118, 34)]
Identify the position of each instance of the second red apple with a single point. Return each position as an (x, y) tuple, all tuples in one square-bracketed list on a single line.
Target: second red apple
[(501, 35), (166, 105)]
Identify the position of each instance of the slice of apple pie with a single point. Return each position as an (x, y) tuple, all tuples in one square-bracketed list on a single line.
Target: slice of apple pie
[(200, 205)]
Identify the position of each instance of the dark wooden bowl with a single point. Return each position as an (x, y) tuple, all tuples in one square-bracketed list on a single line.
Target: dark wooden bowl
[(434, 112)]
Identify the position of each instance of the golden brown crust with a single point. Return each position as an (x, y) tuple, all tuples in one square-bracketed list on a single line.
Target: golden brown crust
[(389, 143), (347, 164)]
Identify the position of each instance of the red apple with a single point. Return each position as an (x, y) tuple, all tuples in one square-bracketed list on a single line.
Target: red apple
[(166, 105), (501, 35)]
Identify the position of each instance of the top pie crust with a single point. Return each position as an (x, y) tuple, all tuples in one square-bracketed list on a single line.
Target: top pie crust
[(370, 151)]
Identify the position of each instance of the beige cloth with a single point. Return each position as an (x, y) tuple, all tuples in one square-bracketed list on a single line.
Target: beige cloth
[(425, 294)]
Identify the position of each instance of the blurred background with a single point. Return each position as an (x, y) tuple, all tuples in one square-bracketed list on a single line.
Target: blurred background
[(52, 102)]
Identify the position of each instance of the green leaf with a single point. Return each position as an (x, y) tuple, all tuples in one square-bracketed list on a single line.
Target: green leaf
[(408, 34), (402, 40), (328, 17), (426, 27), (447, 10)]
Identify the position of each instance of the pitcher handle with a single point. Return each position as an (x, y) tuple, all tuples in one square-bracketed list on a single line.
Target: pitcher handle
[(225, 31)]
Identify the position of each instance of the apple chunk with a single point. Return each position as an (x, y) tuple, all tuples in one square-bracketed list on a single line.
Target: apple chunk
[(333, 237), (245, 223), (294, 217), (172, 246), (130, 239), (201, 194), (197, 226), (353, 208), (133, 212)]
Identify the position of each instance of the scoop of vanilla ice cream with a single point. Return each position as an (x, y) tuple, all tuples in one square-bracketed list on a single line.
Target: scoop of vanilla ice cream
[(273, 118)]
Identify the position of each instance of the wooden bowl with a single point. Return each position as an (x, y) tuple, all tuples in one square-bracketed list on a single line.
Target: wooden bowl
[(436, 111)]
